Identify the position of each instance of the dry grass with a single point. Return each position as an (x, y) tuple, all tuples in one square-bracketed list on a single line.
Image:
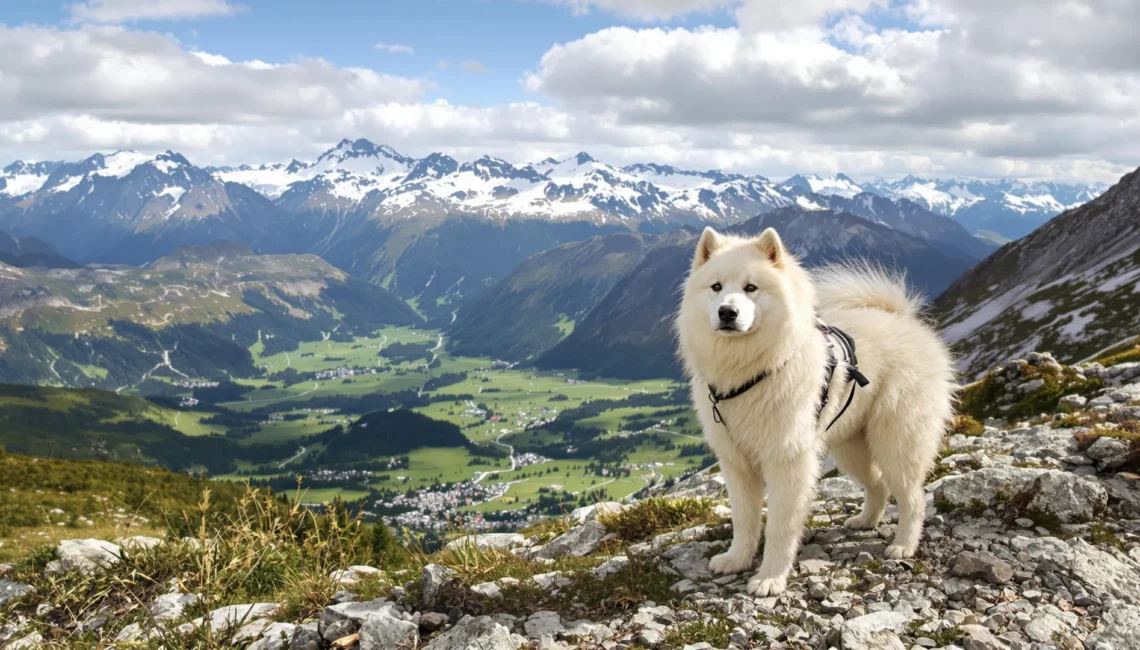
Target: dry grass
[(650, 517)]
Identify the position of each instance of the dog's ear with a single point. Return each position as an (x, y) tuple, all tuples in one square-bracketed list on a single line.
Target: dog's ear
[(772, 247), (710, 241)]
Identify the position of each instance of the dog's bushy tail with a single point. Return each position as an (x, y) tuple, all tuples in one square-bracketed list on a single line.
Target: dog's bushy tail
[(859, 285)]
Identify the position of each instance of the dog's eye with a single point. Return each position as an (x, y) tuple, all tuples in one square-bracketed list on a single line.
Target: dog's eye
[(749, 288), (716, 287)]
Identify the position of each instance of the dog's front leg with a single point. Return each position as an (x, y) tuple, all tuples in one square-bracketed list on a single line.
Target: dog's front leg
[(746, 498), (790, 485)]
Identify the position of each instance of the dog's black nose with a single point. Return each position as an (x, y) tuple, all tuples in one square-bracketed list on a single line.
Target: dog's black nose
[(727, 314)]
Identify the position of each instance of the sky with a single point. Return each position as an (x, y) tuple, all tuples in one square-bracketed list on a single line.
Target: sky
[(1031, 89)]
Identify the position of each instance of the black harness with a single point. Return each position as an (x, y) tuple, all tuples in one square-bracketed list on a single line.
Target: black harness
[(832, 336)]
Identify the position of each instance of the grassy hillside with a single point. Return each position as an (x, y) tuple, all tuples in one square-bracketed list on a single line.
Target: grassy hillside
[(88, 423), (192, 314), (43, 500)]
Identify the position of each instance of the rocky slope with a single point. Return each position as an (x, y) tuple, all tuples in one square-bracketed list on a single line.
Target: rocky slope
[(1068, 288), (1032, 542)]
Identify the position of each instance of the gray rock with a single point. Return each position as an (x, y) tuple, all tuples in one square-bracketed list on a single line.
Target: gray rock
[(485, 541), (480, 632), (979, 638), (353, 574), (277, 636), (1119, 629), (541, 623), (169, 607), (85, 555), (383, 631), (232, 617), (690, 559), (591, 512), (1072, 401), (10, 590), (982, 564), (434, 577), (1107, 451), (839, 488), (611, 566), (576, 542), (488, 589), (877, 631), (137, 543), (701, 484), (983, 485), (1070, 497), (305, 637), (1099, 571), (431, 622)]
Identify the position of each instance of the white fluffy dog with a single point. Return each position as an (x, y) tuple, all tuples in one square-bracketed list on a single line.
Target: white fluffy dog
[(750, 319)]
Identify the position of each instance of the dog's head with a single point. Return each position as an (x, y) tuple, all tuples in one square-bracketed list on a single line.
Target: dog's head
[(742, 286)]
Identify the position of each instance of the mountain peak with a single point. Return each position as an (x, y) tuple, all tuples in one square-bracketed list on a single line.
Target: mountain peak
[(584, 158)]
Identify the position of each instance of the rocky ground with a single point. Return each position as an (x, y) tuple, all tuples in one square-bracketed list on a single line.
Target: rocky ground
[(1032, 543)]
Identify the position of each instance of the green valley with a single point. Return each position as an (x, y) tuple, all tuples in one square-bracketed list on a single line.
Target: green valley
[(390, 422)]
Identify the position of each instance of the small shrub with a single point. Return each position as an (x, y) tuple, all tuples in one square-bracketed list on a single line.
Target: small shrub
[(966, 425), (657, 515)]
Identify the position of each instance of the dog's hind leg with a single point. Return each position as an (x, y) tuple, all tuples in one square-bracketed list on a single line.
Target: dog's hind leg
[(791, 483), (904, 448), (854, 459), (746, 498)]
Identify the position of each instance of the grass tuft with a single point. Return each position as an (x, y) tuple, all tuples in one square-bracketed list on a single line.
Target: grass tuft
[(650, 517)]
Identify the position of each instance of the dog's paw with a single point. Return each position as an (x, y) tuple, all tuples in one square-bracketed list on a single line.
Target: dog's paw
[(762, 587), (898, 552), (730, 563), (861, 521)]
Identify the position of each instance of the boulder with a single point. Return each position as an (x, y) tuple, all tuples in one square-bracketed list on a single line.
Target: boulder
[(576, 542), (434, 577), (1099, 571), (84, 555), (480, 632), (383, 631), (1119, 629), (1072, 498), (983, 485)]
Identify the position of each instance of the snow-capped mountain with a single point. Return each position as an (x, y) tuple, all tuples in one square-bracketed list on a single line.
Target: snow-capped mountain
[(1072, 287), (1010, 208), (838, 185), (20, 178), (132, 207)]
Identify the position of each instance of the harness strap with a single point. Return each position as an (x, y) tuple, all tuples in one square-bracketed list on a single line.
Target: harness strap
[(853, 375)]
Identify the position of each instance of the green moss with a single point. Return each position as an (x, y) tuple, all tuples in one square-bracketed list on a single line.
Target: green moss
[(714, 632)]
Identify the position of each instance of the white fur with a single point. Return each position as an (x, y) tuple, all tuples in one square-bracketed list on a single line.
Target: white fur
[(772, 441)]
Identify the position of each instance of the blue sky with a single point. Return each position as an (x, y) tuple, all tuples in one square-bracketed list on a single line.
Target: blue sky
[(507, 37), (1033, 89)]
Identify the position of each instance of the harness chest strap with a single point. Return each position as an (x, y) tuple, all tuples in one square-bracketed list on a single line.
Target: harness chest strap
[(853, 375)]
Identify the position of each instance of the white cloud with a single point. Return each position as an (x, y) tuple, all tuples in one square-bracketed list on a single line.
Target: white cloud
[(395, 48), (1047, 89), (118, 74), (120, 11), (474, 67), (948, 89)]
